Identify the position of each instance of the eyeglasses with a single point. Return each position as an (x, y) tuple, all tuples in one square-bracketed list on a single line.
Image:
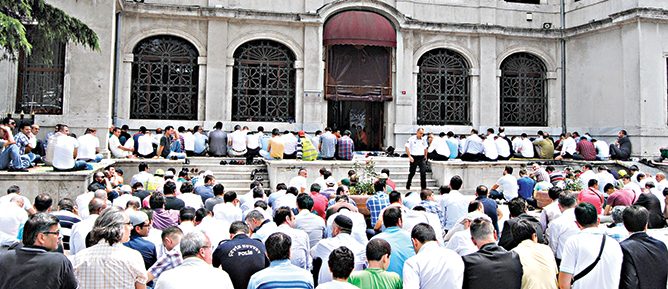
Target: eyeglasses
[(51, 233)]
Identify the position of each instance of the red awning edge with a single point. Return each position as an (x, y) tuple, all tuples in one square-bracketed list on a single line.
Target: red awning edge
[(359, 28)]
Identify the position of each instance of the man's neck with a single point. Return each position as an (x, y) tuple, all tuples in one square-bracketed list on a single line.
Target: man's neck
[(376, 265)]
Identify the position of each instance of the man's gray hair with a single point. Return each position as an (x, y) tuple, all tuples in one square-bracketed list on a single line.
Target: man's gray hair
[(100, 194), (109, 225), (192, 242), (482, 229), (255, 214)]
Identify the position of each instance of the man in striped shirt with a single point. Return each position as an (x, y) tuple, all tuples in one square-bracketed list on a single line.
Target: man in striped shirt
[(281, 273)]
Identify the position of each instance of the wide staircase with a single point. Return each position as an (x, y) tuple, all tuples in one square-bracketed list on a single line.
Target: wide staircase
[(239, 177)]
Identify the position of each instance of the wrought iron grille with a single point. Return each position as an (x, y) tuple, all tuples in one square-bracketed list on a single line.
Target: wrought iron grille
[(523, 91), (263, 83), (164, 79), (443, 89), (40, 88)]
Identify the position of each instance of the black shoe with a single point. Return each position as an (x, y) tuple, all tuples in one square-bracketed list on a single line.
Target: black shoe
[(223, 162), (186, 162), (252, 177), (18, 170), (174, 158), (408, 187)]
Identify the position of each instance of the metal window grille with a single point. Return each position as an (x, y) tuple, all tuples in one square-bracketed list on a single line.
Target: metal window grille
[(523, 91), (443, 89), (164, 79), (263, 82), (40, 87)]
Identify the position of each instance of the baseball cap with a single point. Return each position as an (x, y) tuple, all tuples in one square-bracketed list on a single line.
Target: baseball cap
[(137, 217), (301, 133)]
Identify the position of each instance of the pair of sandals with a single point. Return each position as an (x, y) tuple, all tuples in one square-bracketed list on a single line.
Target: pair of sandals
[(232, 162)]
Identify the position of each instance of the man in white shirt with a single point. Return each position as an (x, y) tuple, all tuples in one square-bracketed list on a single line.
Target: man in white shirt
[(509, 184), (562, 228), (417, 149), (260, 226), (588, 174), (433, 266), (525, 149), (551, 211), (568, 147), (14, 191), (290, 150), (228, 210), (299, 181), (253, 144), (662, 183), (308, 222), (582, 249), (118, 150), (502, 148), (188, 141), (89, 146), (341, 229), (472, 147), (144, 144), (81, 229), (12, 216), (602, 150), (64, 149), (237, 142), (489, 149), (299, 251), (461, 241), (453, 204), (438, 147), (604, 177)]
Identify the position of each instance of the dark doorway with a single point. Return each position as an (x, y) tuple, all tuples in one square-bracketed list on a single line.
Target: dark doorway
[(364, 119)]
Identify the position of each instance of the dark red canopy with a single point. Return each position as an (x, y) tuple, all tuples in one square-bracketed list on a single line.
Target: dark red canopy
[(359, 28)]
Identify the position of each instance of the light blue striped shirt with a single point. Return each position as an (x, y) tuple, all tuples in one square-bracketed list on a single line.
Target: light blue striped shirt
[(281, 274)]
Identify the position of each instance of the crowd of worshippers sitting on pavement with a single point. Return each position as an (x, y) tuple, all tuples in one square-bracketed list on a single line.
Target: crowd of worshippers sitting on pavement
[(67, 152), (161, 230)]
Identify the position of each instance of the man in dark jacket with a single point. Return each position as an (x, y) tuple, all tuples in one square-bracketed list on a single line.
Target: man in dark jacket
[(492, 266), (621, 150), (645, 258), (517, 208), (241, 256)]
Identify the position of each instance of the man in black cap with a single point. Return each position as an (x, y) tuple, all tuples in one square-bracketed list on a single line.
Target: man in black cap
[(341, 229)]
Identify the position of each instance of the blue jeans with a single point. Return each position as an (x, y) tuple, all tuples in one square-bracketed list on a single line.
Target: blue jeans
[(97, 159), (494, 194), (267, 155), (175, 146), (10, 157), (177, 154), (78, 166)]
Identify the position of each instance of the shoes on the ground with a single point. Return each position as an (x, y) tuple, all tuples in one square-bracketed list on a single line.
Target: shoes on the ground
[(252, 176), (174, 158), (16, 170), (223, 162), (186, 162)]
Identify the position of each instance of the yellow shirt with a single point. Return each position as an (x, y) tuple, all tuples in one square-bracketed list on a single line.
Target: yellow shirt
[(540, 268), (277, 147)]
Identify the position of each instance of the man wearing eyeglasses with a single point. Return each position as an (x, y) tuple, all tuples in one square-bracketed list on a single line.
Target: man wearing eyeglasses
[(140, 228), (36, 261)]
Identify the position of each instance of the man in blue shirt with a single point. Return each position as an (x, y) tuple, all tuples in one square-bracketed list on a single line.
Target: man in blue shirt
[(200, 141), (399, 240), (525, 186), (377, 202), (491, 207), (281, 273), (206, 191), (140, 228)]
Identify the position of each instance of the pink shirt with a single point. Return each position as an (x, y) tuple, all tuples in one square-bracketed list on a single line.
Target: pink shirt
[(592, 196)]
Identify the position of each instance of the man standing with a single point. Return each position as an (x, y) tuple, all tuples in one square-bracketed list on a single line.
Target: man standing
[(586, 248), (621, 149), (399, 240), (241, 256), (218, 141), (416, 148), (35, 265), (433, 266), (280, 272), (645, 260), (196, 270), (490, 260)]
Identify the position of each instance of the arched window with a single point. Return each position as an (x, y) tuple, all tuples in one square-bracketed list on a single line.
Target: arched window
[(164, 79), (523, 91), (263, 83), (443, 88)]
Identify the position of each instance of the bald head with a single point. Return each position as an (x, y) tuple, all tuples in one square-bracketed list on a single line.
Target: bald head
[(18, 200), (660, 177), (101, 194), (96, 206)]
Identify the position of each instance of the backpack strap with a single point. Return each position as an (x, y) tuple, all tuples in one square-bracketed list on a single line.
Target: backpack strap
[(590, 267)]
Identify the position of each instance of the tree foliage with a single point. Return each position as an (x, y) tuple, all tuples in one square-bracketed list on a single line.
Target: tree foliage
[(46, 23)]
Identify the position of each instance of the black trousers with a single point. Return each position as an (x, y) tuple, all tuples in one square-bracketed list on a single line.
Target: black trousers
[(250, 154), (417, 161)]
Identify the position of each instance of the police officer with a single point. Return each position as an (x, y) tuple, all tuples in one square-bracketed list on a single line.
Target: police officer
[(416, 148)]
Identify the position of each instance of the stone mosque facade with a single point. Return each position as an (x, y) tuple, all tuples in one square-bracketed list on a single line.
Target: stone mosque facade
[(385, 67)]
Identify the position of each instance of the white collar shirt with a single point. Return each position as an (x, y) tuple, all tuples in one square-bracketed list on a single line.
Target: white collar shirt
[(473, 145), (290, 143), (454, 206), (416, 146), (502, 147), (569, 146), (461, 243), (140, 177), (11, 218), (439, 145), (359, 225), (549, 213), (253, 141), (145, 144), (326, 246), (527, 148), (238, 139), (433, 267), (82, 203), (602, 149), (189, 141), (287, 200), (194, 273), (412, 218), (489, 149), (88, 145), (217, 230), (191, 200), (300, 248), (560, 229), (79, 232), (228, 212)]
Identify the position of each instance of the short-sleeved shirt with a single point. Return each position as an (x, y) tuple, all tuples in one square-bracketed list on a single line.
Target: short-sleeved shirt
[(277, 145), (623, 197), (375, 279), (63, 152), (525, 189), (327, 145), (346, 148), (416, 146), (509, 184), (88, 145), (377, 203), (587, 150), (593, 197), (22, 141), (238, 139), (218, 142), (582, 249), (164, 142), (319, 204)]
